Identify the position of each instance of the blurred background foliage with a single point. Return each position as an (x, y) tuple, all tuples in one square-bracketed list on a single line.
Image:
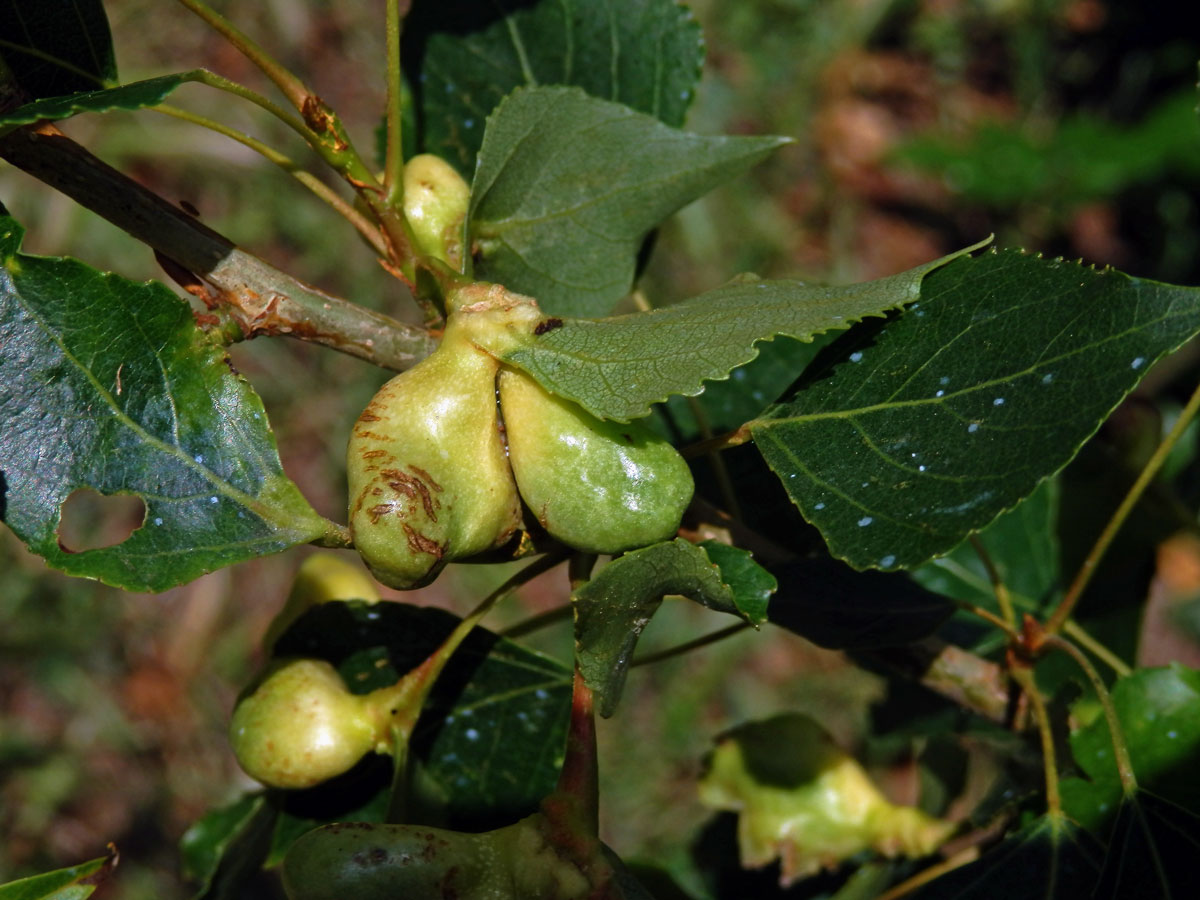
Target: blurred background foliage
[(1063, 126)]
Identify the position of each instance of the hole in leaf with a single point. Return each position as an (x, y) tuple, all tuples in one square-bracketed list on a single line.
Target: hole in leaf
[(90, 520)]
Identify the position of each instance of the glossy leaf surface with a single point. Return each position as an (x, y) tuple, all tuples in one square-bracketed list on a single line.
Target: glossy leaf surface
[(107, 384), (1159, 712), (959, 407)]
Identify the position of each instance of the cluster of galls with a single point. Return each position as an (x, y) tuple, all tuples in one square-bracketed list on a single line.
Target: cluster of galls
[(438, 464), (442, 457)]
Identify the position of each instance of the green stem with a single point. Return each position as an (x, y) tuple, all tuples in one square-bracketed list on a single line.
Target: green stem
[(291, 86), (1084, 576), (1115, 732), (407, 697), (689, 646), (999, 588), (1074, 630), (213, 80), (988, 616), (393, 172), (1024, 677), (364, 227)]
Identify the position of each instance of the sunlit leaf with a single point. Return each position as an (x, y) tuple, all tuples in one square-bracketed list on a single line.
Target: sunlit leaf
[(617, 367), (965, 402), (109, 385), (568, 185)]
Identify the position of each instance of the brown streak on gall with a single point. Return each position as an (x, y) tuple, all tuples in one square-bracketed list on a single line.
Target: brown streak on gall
[(421, 544), (548, 325)]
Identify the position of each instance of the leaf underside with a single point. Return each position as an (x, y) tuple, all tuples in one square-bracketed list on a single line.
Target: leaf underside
[(568, 185), (617, 367)]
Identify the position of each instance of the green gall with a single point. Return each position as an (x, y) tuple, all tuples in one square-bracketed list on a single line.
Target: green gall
[(595, 485)]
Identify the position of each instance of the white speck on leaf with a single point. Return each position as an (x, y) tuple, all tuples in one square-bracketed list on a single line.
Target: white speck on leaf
[(157, 520), (865, 521), (472, 734), (973, 427), (819, 506), (999, 401), (887, 560), (1137, 363), (1047, 378), (939, 393), (212, 499), (856, 356)]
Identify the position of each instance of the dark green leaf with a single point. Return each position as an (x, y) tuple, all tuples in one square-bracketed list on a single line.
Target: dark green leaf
[(568, 186), (466, 55), (73, 883), (834, 606), (1152, 852), (613, 608), (491, 738), (616, 367), (1159, 712), (150, 92), (751, 584), (1049, 859), (731, 402), (1023, 546), (55, 47), (967, 401), (107, 384), (227, 845)]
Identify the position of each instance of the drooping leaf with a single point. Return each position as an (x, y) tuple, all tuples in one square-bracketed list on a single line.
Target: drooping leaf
[(1152, 851), (55, 47), (107, 384), (136, 95), (967, 401), (491, 738), (613, 608), (801, 799), (568, 185), (73, 883), (1048, 859), (226, 845), (616, 367), (1159, 712), (466, 55), (832, 605)]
